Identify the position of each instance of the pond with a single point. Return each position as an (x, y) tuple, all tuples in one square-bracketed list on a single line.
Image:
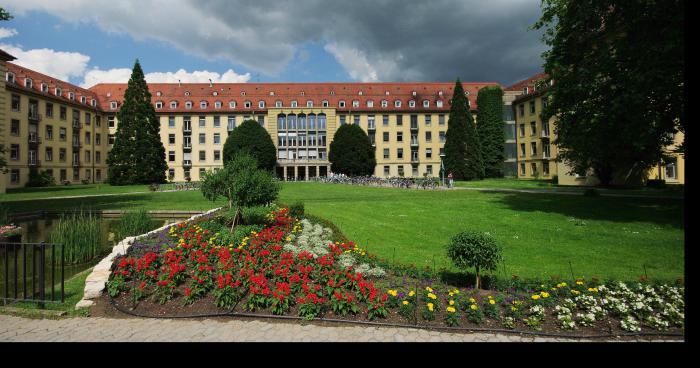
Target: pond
[(38, 229)]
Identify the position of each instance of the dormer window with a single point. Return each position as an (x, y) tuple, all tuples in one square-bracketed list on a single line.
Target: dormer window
[(411, 103), (355, 103), (173, 104), (83, 99), (386, 93), (10, 77), (359, 93), (301, 93), (188, 104), (247, 104), (341, 103), (203, 104), (159, 105), (44, 88), (440, 93), (332, 93), (113, 105), (261, 104), (526, 90), (272, 93), (232, 104), (466, 93), (295, 104), (426, 103), (71, 96), (159, 93), (324, 103), (93, 102), (309, 103), (187, 93), (370, 103), (278, 103), (58, 92), (414, 93), (28, 82), (217, 104), (242, 93), (439, 103), (215, 93), (385, 103), (397, 103)]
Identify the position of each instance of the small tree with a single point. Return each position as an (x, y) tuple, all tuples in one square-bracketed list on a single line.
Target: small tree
[(462, 146), (489, 127), (253, 139), (473, 249), (351, 152), (242, 183)]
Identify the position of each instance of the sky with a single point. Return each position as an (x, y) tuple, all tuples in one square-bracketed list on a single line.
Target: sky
[(87, 42)]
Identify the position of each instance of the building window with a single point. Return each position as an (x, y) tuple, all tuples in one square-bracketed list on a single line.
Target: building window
[(533, 148), (341, 104), (171, 121), (426, 103), (428, 120), (62, 154), (522, 169), (411, 103), (429, 169), (356, 120), (203, 104), (14, 176), (399, 153), (110, 138), (98, 174), (188, 104), (202, 155), (532, 107), (296, 104), (261, 104), (202, 122), (386, 153), (217, 155), (232, 104), (521, 111), (58, 92), (438, 103), (397, 103), (14, 152), (49, 110), (98, 157), (428, 137), (217, 104), (171, 174), (309, 103), (64, 175), (15, 103), (110, 121), (385, 136), (10, 77), (49, 132), (173, 104), (14, 127), (217, 138), (522, 149), (231, 123), (171, 156), (533, 168), (545, 168), (672, 169), (342, 119), (533, 128), (247, 104), (87, 156), (159, 105), (385, 103), (113, 105), (386, 170), (370, 103), (324, 103), (171, 138), (522, 130), (202, 138), (428, 153), (401, 170), (399, 136)]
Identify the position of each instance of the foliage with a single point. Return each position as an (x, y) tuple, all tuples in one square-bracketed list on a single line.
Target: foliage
[(133, 223), (618, 71), (474, 249), (79, 232), (5, 15), (138, 155), (255, 215), (40, 179), (296, 210), (490, 129), (462, 148), (351, 152), (252, 139)]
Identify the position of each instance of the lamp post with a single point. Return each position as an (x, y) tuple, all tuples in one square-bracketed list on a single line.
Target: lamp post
[(442, 169)]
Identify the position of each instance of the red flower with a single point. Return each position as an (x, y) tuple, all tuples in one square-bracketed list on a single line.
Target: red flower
[(338, 296), (188, 292)]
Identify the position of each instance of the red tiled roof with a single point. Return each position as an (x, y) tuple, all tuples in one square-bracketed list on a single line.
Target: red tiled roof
[(529, 82), (21, 73), (288, 92)]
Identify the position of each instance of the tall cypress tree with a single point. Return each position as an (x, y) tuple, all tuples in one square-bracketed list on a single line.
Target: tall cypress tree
[(489, 126), (462, 148), (138, 155)]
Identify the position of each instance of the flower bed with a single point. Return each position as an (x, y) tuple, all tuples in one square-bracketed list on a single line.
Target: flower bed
[(290, 267)]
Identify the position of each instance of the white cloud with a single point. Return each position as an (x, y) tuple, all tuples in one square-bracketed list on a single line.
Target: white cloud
[(122, 75), (7, 32), (58, 64)]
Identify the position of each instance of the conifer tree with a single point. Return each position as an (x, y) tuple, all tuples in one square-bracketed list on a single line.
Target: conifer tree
[(489, 127), (462, 148), (252, 139), (138, 155), (351, 152)]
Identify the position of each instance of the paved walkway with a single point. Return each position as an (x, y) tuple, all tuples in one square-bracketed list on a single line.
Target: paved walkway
[(140, 329)]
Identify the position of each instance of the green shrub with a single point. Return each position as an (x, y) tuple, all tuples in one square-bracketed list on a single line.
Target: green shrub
[(474, 249), (133, 223), (80, 234), (591, 192), (296, 210), (256, 215), (43, 179)]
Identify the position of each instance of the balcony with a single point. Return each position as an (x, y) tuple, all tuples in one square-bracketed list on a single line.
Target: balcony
[(76, 163), (414, 158), (187, 163), (414, 126), (33, 162), (544, 134), (546, 156), (187, 128), (371, 127), (187, 147), (76, 144), (76, 124), (34, 116), (34, 138), (414, 142)]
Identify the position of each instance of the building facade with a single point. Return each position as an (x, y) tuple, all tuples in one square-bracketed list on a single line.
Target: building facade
[(537, 155)]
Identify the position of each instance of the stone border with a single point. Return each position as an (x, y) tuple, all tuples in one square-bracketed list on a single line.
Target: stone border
[(97, 280)]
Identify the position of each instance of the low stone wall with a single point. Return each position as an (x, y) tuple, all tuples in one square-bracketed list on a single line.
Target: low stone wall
[(97, 280)]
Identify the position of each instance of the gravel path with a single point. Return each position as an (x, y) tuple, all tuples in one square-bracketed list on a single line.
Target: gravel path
[(142, 329)]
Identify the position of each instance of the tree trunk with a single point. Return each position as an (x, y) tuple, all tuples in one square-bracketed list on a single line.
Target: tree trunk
[(478, 279), (235, 218)]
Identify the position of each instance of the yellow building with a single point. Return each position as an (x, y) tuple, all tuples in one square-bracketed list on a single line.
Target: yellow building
[(537, 155)]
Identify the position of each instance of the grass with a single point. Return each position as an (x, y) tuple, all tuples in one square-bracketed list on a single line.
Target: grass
[(80, 232), (69, 190), (134, 223), (74, 290), (547, 185), (606, 237)]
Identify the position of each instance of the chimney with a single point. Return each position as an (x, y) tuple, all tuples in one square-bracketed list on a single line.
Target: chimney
[(209, 82), (178, 83)]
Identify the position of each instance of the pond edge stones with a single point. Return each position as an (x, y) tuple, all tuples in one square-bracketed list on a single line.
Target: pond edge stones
[(96, 281)]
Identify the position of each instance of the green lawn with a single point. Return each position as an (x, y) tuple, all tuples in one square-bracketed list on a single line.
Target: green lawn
[(512, 183), (69, 190), (600, 236), (74, 291)]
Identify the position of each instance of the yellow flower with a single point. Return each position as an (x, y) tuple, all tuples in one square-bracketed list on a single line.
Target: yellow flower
[(289, 238), (452, 294), (513, 308), (579, 282), (554, 289), (428, 289), (471, 300), (492, 302), (430, 307), (473, 306), (452, 302), (490, 297), (405, 302), (593, 290), (535, 297), (432, 296), (456, 291), (451, 309), (411, 293), (392, 292), (575, 292), (544, 294)]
